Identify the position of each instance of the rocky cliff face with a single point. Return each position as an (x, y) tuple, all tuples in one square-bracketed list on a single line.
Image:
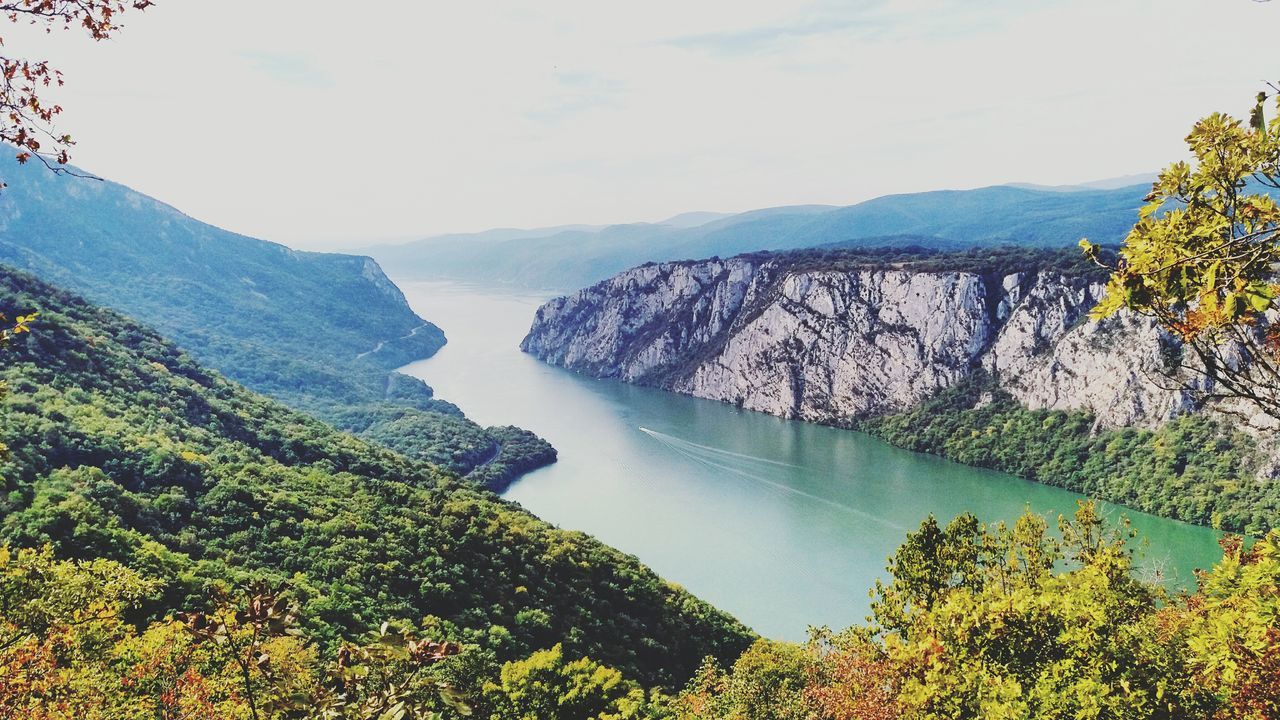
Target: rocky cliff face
[(838, 343)]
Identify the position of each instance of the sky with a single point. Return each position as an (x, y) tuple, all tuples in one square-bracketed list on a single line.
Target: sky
[(323, 124)]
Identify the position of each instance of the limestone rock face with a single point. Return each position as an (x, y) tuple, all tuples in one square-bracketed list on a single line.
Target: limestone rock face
[(837, 345)]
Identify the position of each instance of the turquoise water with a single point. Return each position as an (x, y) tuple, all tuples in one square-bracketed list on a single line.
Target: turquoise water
[(782, 523)]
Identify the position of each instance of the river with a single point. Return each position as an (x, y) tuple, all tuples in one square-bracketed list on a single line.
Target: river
[(784, 524)]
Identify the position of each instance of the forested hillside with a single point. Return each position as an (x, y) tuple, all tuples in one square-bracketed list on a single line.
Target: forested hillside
[(1194, 468), (122, 447), (318, 331), (154, 486), (1025, 621)]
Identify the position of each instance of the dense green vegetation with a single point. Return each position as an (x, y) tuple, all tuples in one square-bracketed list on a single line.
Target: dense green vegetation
[(149, 480), (320, 332), (1017, 622), (971, 622), (123, 448), (1194, 468), (518, 451), (68, 651), (549, 685), (994, 262), (489, 456)]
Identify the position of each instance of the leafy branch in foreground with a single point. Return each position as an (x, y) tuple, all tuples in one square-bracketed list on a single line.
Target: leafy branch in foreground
[(1202, 259), (255, 633), (66, 650), (27, 121)]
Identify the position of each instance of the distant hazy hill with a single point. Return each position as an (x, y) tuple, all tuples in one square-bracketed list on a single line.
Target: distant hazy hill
[(216, 292), (317, 330), (1114, 183), (694, 219), (956, 218)]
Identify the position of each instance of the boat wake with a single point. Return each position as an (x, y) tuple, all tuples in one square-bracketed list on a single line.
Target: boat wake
[(729, 461), (718, 451)]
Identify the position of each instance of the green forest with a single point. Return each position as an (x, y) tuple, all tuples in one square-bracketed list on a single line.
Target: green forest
[(220, 501), (1194, 468), (122, 449), (320, 332), (176, 546)]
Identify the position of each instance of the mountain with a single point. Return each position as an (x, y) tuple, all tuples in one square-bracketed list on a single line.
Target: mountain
[(319, 331), (694, 219), (984, 356), (121, 446), (497, 235), (1114, 183), (557, 260), (956, 218), (204, 286)]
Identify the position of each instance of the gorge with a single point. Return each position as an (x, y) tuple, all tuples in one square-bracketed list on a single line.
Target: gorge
[(857, 339), (785, 524)]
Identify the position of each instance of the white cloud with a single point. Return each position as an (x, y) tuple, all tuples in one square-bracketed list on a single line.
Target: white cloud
[(309, 122)]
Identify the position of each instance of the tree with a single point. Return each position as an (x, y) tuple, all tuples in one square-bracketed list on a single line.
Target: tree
[(1017, 622), (768, 682), (66, 650), (254, 636), (54, 614), (1202, 258), (852, 678), (26, 121), (546, 685)]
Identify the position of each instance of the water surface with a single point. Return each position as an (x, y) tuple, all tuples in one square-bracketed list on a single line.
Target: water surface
[(784, 524)]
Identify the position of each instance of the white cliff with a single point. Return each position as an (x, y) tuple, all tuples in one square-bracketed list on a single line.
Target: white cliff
[(836, 345)]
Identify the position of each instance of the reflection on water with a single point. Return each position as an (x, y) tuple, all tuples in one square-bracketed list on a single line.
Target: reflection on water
[(784, 524)]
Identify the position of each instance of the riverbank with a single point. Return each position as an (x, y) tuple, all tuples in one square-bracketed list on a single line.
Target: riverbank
[(782, 523)]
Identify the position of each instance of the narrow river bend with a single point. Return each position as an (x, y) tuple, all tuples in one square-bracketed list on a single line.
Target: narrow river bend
[(782, 523)]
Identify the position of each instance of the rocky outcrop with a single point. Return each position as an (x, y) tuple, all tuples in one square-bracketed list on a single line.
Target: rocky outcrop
[(835, 342)]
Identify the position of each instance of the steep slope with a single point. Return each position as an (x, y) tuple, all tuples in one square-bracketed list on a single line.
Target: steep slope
[(847, 338), (122, 446), (318, 331), (839, 336), (217, 293), (955, 219)]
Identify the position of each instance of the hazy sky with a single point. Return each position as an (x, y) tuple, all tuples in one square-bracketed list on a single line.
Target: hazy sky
[(312, 123)]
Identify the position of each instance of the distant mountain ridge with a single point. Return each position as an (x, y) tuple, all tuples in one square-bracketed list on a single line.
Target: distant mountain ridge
[(1114, 183), (319, 331), (694, 219), (569, 259)]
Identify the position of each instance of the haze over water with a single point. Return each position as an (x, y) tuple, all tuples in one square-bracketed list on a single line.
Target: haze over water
[(784, 524)]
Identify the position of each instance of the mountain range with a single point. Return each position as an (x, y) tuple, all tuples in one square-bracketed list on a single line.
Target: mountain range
[(566, 259)]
